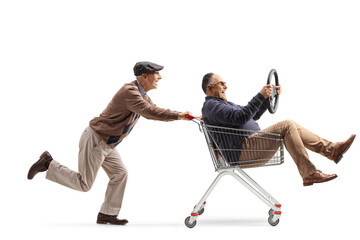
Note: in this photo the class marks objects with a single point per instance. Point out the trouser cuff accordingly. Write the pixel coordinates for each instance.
(108, 210)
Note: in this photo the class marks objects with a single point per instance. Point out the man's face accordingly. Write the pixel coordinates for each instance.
(218, 87)
(152, 79)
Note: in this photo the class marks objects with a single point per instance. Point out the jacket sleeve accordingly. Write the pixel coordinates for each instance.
(261, 111)
(229, 115)
(137, 104)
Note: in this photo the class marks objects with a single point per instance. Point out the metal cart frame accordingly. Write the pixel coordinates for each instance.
(224, 166)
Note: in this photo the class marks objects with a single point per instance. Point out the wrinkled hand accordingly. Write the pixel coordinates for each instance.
(181, 116)
(266, 91)
(278, 89)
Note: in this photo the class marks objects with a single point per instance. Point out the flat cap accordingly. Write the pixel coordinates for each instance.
(146, 67)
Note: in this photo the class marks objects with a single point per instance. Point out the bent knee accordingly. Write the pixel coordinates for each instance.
(120, 176)
(85, 187)
(124, 172)
(288, 123)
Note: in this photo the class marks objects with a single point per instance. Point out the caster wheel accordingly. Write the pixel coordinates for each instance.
(201, 211)
(271, 212)
(187, 223)
(273, 223)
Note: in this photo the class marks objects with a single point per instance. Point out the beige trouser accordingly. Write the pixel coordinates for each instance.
(296, 139)
(93, 153)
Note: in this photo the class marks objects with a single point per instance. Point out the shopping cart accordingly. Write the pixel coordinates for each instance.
(232, 150)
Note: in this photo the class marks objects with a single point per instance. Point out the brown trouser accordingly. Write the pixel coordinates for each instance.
(93, 153)
(296, 139)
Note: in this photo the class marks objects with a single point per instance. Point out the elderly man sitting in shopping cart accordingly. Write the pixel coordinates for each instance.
(217, 111)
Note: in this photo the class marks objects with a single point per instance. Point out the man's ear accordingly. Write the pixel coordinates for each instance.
(209, 88)
(144, 75)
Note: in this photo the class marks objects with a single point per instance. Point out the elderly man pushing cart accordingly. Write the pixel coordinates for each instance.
(104, 133)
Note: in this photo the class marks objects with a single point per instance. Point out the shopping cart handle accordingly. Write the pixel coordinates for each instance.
(190, 117)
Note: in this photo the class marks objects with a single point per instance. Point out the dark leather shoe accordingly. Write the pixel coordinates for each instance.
(318, 177)
(111, 219)
(341, 148)
(41, 165)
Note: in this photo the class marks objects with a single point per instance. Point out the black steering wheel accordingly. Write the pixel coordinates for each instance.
(272, 102)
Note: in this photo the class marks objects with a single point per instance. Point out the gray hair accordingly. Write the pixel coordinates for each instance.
(207, 79)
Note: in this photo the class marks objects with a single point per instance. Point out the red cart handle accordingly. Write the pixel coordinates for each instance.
(188, 116)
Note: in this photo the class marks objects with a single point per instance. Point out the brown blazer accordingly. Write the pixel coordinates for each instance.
(123, 112)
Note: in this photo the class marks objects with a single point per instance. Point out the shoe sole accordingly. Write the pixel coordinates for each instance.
(102, 222)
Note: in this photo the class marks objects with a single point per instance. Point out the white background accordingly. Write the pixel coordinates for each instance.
(61, 62)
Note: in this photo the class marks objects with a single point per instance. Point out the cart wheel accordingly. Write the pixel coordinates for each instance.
(271, 222)
(187, 223)
(271, 212)
(201, 211)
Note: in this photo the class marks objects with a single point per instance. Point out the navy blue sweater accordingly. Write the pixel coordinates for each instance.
(218, 112)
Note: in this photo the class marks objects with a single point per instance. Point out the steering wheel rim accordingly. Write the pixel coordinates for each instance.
(272, 102)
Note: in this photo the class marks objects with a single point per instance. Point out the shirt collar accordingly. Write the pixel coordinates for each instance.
(142, 91)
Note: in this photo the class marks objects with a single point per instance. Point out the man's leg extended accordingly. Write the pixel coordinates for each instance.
(294, 145)
(92, 152)
(117, 174)
(315, 143)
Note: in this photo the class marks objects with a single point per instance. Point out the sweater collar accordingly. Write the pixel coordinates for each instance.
(216, 98)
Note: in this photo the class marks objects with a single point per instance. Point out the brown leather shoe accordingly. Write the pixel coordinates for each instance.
(341, 148)
(111, 219)
(318, 177)
(41, 165)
